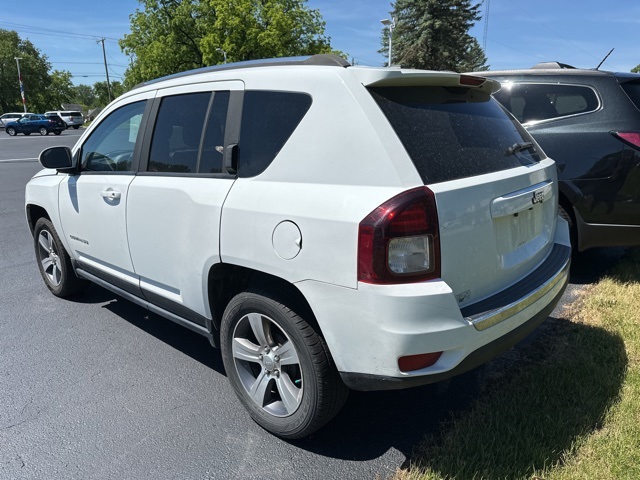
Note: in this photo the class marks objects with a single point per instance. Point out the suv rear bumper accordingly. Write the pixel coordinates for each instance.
(368, 329)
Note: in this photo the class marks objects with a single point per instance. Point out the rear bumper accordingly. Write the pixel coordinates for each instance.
(368, 329)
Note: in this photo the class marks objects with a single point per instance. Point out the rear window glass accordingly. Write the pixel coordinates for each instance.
(535, 102)
(632, 89)
(452, 133)
(74, 114)
(268, 120)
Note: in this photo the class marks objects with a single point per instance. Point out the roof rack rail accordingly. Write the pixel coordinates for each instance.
(328, 60)
(551, 65)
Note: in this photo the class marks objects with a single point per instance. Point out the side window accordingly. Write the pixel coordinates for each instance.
(213, 146)
(268, 120)
(177, 133)
(110, 146)
(534, 102)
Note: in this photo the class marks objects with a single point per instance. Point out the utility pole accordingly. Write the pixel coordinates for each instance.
(106, 69)
(24, 101)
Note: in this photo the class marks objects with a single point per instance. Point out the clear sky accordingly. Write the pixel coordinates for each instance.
(520, 33)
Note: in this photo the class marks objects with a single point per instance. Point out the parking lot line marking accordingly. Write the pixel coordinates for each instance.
(17, 160)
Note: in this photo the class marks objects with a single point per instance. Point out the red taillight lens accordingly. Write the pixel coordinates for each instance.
(471, 81)
(630, 138)
(399, 241)
(417, 362)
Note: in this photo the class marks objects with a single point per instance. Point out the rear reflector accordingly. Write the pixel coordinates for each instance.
(417, 362)
(630, 138)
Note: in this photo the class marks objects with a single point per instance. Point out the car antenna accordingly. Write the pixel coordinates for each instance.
(607, 56)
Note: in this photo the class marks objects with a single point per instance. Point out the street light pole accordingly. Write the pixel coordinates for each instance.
(224, 53)
(391, 24)
(24, 101)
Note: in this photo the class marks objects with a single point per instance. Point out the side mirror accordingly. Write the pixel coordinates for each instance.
(59, 158)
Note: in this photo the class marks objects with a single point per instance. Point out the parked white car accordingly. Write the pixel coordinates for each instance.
(72, 118)
(327, 226)
(11, 117)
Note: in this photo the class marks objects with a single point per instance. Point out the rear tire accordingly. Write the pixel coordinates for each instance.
(279, 367)
(11, 131)
(54, 262)
(76, 127)
(43, 131)
(57, 132)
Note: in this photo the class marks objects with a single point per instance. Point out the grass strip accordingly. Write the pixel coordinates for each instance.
(566, 406)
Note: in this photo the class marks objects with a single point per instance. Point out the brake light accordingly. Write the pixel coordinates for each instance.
(399, 241)
(471, 81)
(630, 138)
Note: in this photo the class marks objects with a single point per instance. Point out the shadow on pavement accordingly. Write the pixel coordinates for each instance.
(371, 423)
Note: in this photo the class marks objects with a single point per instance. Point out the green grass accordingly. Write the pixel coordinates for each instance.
(566, 406)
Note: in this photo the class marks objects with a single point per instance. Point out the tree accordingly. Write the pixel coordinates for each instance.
(102, 93)
(636, 70)
(34, 68)
(434, 35)
(59, 91)
(169, 36)
(84, 95)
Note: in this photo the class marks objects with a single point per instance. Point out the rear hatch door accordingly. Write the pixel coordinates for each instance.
(496, 192)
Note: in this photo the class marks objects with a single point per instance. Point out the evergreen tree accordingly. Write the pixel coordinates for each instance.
(434, 35)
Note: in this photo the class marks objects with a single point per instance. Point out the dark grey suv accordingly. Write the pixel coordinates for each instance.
(589, 122)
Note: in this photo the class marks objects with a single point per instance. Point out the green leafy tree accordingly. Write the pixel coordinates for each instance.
(169, 36)
(434, 35)
(60, 90)
(35, 74)
(102, 93)
(636, 69)
(84, 95)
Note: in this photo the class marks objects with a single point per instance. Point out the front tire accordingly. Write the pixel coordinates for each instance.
(54, 262)
(279, 367)
(57, 132)
(76, 127)
(11, 131)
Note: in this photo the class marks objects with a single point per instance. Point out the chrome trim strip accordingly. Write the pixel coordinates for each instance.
(484, 320)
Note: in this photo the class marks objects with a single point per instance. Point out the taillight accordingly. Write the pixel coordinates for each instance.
(630, 138)
(399, 241)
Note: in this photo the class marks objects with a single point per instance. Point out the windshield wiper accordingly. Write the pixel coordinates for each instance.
(518, 147)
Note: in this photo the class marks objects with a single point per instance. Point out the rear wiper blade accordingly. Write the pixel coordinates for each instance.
(518, 147)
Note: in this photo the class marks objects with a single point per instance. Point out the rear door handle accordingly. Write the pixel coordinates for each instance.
(110, 194)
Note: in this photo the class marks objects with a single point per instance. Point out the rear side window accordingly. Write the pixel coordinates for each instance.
(452, 133)
(268, 120)
(177, 133)
(632, 89)
(535, 102)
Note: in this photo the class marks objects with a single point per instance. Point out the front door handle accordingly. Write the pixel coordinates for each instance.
(110, 194)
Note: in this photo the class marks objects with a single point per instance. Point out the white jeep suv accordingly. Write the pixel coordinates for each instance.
(327, 226)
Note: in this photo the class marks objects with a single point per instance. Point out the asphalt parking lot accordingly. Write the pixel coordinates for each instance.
(97, 387)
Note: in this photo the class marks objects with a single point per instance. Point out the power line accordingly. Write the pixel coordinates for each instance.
(53, 32)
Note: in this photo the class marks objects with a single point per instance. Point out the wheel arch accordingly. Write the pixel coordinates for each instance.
(225, 281)
(35, 212)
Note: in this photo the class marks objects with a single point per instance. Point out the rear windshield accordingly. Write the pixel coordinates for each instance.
(452, 133)
(632, 89)
(73, 114)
